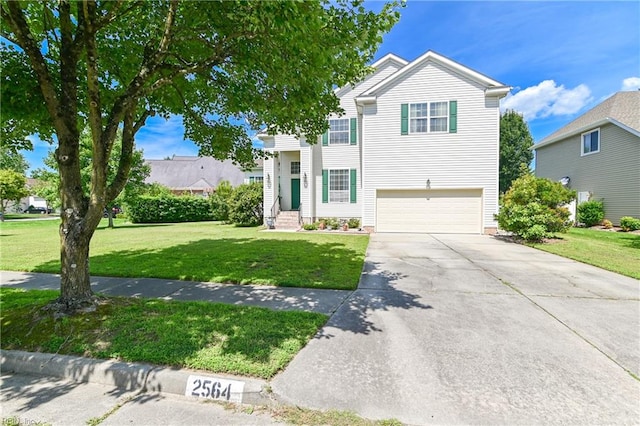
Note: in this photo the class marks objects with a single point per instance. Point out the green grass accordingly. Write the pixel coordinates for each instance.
(204, 251)
(614, 251)
(219, 338)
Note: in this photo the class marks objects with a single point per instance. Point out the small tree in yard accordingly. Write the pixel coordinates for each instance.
(12, 188)
(220, 201)
(226, 67)
(515, 152)
(245, 205)
(533, 208)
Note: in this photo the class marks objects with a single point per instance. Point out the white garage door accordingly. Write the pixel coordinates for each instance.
(456, 211)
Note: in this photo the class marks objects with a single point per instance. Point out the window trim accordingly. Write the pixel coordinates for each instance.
(347, 132)
(582, 152)
(428, 117)
(347, 191)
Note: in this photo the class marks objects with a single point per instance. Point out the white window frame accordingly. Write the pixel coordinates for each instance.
(582, 151)
(291, 168)
(414, 117)
(344, 194)
(253, 179)
(341, 136)
(428, 117)
(434, 117)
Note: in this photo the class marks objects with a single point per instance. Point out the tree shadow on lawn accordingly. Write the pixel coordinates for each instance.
(284, 263)
(632, 241)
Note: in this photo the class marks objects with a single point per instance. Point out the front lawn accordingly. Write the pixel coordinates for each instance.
(203, 251)
(614, 251)
(219, 338)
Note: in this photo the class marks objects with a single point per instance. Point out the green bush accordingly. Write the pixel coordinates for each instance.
(245, 205)
(332, 222)
(591, 212)
(220, 201)
(533, 208)
(354, 223)
(310, 226)
(628, 223)
(168, 209)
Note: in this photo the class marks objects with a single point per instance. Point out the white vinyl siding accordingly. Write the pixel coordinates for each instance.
(466, 159)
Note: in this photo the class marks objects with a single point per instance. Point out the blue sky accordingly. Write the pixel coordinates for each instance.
(561, 58)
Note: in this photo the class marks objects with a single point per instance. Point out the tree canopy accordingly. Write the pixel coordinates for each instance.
(225, 66)
(515, 144)
(12, 188)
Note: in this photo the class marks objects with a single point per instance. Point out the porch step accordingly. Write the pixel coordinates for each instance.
(287, 220)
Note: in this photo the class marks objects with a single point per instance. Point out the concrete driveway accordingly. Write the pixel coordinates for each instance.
(448, 329)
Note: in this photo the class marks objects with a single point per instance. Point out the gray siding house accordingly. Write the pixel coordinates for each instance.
(600, 154)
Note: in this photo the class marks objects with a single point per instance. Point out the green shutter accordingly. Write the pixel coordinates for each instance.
(354, 131)
(453, 116)
(354, 186)
(404, 119)
(325, 186)
(325, 138)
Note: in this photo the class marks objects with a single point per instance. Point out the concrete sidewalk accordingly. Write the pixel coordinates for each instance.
(276, 298)
(136, 378)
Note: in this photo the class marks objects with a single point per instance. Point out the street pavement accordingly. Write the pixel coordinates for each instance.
(443, 329)
(451, 329)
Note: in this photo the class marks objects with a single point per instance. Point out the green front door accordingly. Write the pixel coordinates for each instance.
(295, 194)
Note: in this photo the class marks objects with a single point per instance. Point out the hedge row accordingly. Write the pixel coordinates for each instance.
(169, 209)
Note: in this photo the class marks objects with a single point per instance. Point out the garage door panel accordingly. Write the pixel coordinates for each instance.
(445, 211)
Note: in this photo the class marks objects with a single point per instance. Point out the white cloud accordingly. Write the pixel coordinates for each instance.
(546, 99)
(631, 83)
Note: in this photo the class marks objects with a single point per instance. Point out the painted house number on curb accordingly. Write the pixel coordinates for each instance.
(214, 388)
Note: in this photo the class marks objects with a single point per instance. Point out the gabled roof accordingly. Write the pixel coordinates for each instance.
(499, 89)
(621, 109)
(191, 173)
(388, 58)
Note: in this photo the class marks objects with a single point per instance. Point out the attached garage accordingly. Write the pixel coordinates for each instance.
(452, 211)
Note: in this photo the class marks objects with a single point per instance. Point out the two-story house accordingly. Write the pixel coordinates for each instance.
(598, 155)
(416, 150)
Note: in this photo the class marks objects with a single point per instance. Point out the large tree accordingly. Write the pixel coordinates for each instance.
(11, 159)
(49, 178)
(515, 148)
(225, 66)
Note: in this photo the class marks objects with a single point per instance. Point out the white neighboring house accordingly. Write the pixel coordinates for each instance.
(416, 151)
(255, 174)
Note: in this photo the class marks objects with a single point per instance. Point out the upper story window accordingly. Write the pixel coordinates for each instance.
(339, 131)
(438, 116)
(295, 167)
(427, 117)
(591, 142)
(418, 118)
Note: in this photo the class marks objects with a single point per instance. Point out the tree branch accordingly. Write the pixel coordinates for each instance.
(15, 19)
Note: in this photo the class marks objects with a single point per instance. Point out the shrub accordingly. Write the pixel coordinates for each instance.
(628, 223)
(591, 212)
(607, 224)
(354, 223)
(168, 209)
(245, 205)
(332, 222)
(533, 208)
(310, 226)
(220, 201)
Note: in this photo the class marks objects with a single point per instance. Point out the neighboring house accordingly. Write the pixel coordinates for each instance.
(193, 175)
(255, 174)
(598, 154)
(415, 151)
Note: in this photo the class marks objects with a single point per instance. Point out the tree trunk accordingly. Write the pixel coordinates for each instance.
(110, 216)
(75, 284)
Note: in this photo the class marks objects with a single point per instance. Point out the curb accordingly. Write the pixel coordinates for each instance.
(131, 377)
